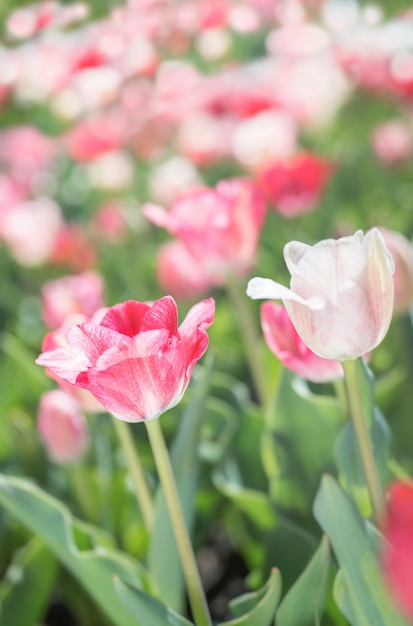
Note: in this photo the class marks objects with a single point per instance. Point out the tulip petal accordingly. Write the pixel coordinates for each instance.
(126, 318)
(193, 332)
(293, 251)
(162, 314)
(65, 363)
(267, 289)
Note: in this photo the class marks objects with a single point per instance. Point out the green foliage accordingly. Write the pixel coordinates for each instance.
(91, 563)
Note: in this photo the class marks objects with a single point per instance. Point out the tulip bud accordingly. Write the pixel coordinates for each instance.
(62, 427)
(341, 293)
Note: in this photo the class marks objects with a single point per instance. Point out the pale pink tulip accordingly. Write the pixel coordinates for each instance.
(135, 360)
(62, 427)
(341, 293)
(284, 341)
(68, 295)
(220, 227)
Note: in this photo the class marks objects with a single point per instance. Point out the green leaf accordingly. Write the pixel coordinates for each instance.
(359, 590)
(94, 567)
(258, 607)
(24, 593)
(255, 504)
(163, 558)
(151, 612)
(304, 603)
(298, 443)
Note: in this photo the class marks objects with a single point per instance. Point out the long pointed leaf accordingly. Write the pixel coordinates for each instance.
(258, 607)
(362, 597)
(150, 611)
(47, 518)
(24, 594)
(304, 603)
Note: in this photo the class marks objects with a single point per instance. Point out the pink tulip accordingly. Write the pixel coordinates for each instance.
(135, 361)
(179, 273)
(397, 555)
(82, 293)
(341, 293)
(62, 427)
(220, 227)
(401, 250)
(284, 341)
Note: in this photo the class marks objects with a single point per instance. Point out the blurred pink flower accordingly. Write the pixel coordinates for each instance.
(284, 341)
(220, 227)
(263, 138)
(397, 554)
(295, 186)
(401, 250)
(393, 142)
(341, 293)
(73, 248)
(81, 293)
(179, 273)
(30, 230)
(136, 361)
(62, 427)
(25, 151)
(92, 138)
(109, 221)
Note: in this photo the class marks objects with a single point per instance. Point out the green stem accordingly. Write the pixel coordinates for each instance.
(250, 338)
(196, 594)
(363, 439)
(143, 495)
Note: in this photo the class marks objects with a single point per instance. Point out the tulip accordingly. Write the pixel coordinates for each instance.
(69, 295)
(341, 293)
(220, 227)
(295, 186)
(62, 427)
(397, 554)
(179, 273)
(135, 360)
(283, 340)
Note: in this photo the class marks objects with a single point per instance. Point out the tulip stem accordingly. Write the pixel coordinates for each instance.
(364, 443)
(250, 337)
(196, 594)
(143, 495)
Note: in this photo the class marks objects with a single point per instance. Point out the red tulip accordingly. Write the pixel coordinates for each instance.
(135, 360)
